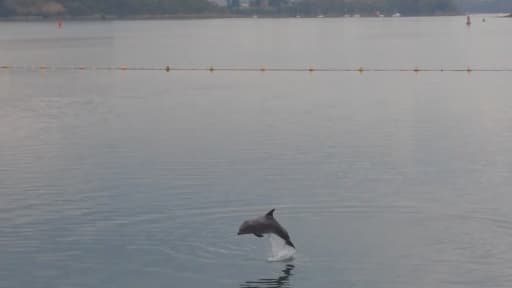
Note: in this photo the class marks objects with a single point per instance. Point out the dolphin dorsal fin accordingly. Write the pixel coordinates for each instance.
(270, 213)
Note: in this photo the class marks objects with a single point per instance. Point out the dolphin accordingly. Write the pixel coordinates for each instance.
(265, 224)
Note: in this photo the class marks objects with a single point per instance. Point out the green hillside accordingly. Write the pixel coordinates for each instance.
(103, 7)
(183, 7)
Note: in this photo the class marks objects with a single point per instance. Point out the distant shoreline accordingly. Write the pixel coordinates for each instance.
(189, 17)
(202, 16)
(113, 17)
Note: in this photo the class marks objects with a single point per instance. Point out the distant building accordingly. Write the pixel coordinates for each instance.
(244, 3)
(260, 4)
(238, 3)
(220, 2)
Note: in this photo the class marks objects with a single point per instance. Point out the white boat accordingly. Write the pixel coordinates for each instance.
(396, 15)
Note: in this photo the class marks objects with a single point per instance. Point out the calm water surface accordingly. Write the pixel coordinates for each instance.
(140, 179)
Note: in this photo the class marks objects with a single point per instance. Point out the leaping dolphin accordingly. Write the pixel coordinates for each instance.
(266, 224)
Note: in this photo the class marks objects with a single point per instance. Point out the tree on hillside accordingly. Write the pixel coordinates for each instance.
(152, 7)
(34, 7)
(114, 7)
(4, 9)
(417, 7)
(406, 7)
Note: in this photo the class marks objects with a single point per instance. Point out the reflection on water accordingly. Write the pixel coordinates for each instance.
(282, 281)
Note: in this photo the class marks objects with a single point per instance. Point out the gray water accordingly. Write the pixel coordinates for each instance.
(141, 178)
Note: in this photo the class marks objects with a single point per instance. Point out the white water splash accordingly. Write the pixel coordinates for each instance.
(279, 250)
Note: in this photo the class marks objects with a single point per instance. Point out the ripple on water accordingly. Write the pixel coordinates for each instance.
(208, 233)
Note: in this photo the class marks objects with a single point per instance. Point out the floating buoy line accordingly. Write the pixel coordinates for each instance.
(263, 68)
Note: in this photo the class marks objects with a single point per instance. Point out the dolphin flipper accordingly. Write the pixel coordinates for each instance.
(258, 235)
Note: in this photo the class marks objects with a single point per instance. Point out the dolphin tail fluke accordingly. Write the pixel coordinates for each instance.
(289, 243)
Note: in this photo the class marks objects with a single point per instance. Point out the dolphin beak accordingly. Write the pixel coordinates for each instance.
(238, 233)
